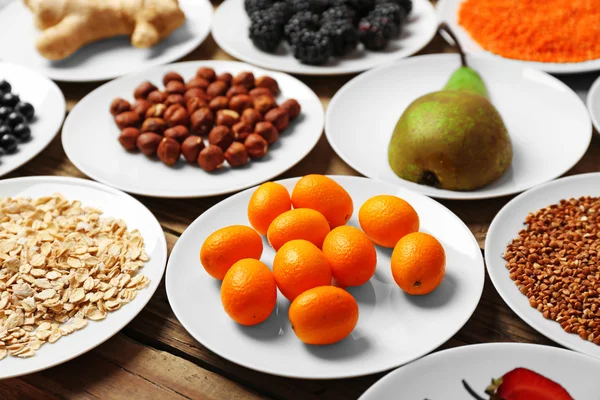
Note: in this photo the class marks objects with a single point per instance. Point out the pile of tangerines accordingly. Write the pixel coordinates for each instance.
(316, 248)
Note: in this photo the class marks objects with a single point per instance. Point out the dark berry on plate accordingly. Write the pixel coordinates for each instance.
(389, 10)
(371, 34)
(9, 100)
(283, 11)
(252, 6)
(25, 109)
(4, 112)
(313, 48)
(5, 130)
(339, 13)
(390, 29)
(301, 22)
(22, 132)
(316, 6)
(9, 143)
(5, 86)
(14, 119)
(265, 33)
(362, 7)
(343, 36)
(406, 5)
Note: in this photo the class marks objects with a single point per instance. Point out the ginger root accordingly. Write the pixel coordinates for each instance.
(67, 25)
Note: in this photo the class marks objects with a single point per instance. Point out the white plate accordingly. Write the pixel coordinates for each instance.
(439, 376)
(113, 203)
(448, 12)
(230, 30)
(548, 123)
(90, 140)
(104, 59)
(49, 104)
(593, 103)
(393, 328)
(506, 226)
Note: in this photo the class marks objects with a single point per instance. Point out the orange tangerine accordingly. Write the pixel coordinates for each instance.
(298, 266)
(325, 195)
(351, 254)
(299, 223)
(228, 245)
(268, 201)
(386, 219)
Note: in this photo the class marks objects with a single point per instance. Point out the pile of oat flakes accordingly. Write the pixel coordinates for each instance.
(61, 264)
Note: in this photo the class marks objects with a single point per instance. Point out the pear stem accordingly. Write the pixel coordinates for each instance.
(446, 28)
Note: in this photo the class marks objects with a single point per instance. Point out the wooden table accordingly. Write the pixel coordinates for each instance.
(155, 358)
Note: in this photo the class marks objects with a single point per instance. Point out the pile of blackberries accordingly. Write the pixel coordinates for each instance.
(320, 29)
(15, 116)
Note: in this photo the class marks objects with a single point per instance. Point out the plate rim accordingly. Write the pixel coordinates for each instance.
(594, 92)
(476, 346)
(213, 63)
(62, 103)
(48, 72)
(490, 264)
(177, 312)
(430, 58)
(162, 242)
(329, 71)
(554, 68)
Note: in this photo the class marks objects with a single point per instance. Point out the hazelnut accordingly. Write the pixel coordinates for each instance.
(175, 87)
(217, 88)
(211, 158)
(251, 117)
(176, 114)
(292, 107)
(195, 104)
(156, 125)
(128, 137)
(218, 103)
(191, 147)
(240, 102)
(227, 117)
(279, 117)
(237, 155)
(127, 119)
(235, 90)
(172, 76)
(268, 83)
(140, 107)
(156, 111)
(220, 136)
(157, 97)
(256, 146)
(143, 90)
(202, 121)
(257, 92)
(245, 78)
(197, 83)
(241, 130)
(119, 106)
(174, 99)
(207, 73)
(169, 150)
(225, 77)
(267, 131)
(148, 142)
(179, 133)
(263, 104)
(195, 92)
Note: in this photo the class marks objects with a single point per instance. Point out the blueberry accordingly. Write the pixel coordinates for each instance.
(9, 99)
(5, 130)
(5, 86)
(25, 109)
(8, 143)
(4, 112)
(22, 132)
(14, 119)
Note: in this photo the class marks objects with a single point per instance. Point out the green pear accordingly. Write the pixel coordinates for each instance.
(454, 139)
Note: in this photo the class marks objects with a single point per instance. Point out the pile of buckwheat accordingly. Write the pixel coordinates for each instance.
(554, 262)
(61, 264)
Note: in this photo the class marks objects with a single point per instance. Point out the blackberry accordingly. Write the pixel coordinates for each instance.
(343, 36)
(300, 22)
(339, 13)
(283, 11)
(265, 32)
(406, 5)
(389, 10)
(252, 6)
(312, 48)
(372, 35)
(362, 7)
(316, 6)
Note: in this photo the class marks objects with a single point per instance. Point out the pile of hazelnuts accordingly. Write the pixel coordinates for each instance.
(238, 115)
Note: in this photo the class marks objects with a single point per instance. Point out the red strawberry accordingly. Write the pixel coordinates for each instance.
(524, 384)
